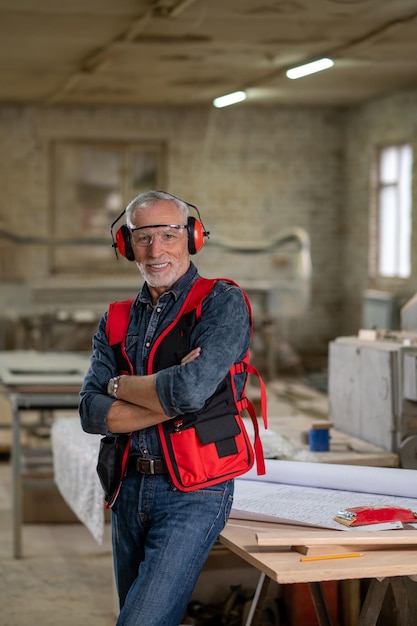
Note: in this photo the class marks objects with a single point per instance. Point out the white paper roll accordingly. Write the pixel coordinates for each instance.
(358, 478)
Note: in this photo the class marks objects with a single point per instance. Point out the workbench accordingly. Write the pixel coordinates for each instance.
(386, 564)
(36, 381)
(47, 328)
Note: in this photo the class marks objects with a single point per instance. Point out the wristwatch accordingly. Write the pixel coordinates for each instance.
(112, 386)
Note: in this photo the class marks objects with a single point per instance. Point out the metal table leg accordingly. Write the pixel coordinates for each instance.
(260, 592)
(37, 402)
(16, 479)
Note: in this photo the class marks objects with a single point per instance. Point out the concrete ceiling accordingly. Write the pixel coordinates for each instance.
(182, 52)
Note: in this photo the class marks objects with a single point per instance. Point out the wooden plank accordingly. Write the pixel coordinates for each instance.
(328, 550)
(366, 538)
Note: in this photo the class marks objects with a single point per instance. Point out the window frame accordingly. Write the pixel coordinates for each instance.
(381, 188)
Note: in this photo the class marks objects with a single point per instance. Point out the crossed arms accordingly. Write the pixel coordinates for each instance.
(138, 405)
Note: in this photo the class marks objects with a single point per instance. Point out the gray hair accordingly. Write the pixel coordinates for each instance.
(149, 198)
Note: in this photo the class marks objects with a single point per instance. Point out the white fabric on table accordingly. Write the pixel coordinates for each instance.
(75, 455)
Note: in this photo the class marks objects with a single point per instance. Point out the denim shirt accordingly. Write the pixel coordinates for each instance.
(223, 333)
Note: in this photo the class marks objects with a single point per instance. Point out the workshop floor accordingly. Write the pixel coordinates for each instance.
(64, 576)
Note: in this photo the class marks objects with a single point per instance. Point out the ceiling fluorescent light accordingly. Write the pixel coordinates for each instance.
(228, 99)
(309, 68)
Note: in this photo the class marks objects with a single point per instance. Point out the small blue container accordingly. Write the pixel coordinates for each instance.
(319, 439)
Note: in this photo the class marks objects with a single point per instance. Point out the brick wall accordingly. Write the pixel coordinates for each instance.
(387, 120)
(253, 172)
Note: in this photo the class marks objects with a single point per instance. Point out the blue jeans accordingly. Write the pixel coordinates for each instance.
(161, 539)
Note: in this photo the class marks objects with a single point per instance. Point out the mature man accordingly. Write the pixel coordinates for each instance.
(165, 524)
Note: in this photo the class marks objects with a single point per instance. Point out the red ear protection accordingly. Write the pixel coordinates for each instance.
(195, 233)
(123, 243)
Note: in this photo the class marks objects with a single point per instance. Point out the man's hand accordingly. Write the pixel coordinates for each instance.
(191, 356)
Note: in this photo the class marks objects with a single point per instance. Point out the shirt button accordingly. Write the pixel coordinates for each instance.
(147, 344)
(158, 310)
(145, 451)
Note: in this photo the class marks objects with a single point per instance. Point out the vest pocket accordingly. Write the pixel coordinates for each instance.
(185, 447)
(196, 463)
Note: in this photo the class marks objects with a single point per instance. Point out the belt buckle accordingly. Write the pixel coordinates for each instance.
(152, 466)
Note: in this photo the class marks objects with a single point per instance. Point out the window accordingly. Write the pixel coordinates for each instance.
(93, 182)
(393, 196)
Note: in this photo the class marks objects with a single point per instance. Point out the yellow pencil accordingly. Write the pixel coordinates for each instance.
(331, 556)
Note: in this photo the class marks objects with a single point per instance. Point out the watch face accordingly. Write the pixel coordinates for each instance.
(110, 387)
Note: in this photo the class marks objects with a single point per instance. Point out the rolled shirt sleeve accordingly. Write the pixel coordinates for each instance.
(94, 401)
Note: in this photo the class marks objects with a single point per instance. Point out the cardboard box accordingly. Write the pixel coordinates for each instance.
(42, 502)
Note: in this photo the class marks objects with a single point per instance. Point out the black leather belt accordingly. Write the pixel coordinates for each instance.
(150, 466)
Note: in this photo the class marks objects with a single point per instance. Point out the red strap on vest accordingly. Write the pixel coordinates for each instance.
(118, 321)
(245, 403)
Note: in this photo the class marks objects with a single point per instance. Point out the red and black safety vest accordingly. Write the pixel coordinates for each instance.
(212, 445)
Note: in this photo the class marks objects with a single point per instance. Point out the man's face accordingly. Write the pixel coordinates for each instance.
(163, 261)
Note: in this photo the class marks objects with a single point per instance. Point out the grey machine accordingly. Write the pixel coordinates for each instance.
(373, 386)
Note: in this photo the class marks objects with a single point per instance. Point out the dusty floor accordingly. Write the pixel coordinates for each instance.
(64, 576)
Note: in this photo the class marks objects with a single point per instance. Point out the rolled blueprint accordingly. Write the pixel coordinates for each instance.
(358, 478)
